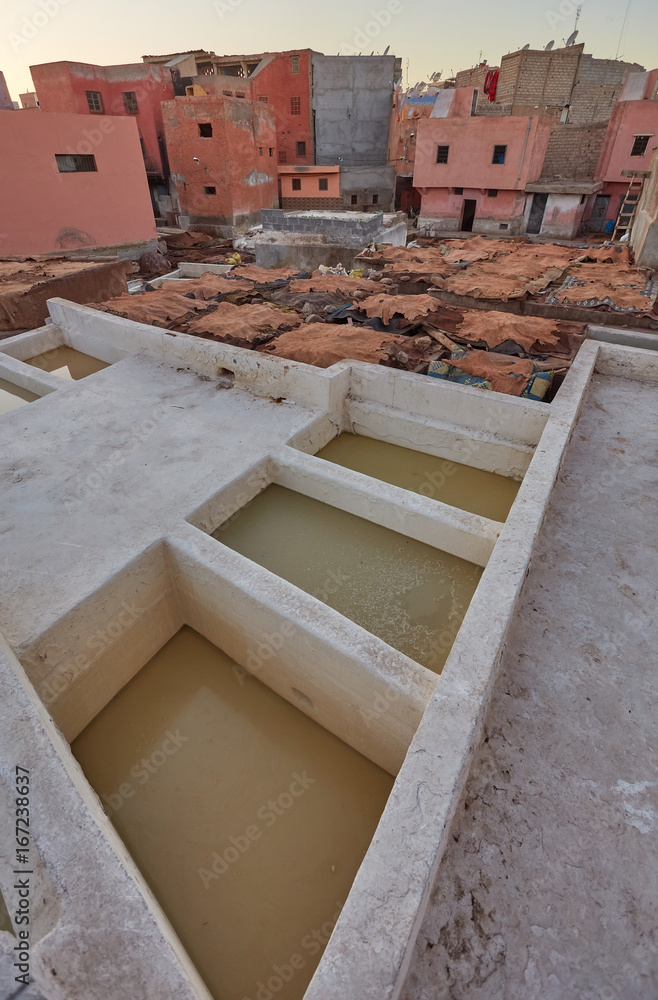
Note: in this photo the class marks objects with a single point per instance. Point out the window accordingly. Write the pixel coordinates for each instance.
(324, 184)
(205, 130)
(499, 154)
(295, 105)
(355, 199)
(459, 190)
(210, 190)
(640, 145)
(95, 102)
(240, 93)
(492, 193)
(260, 150)
(263, 98)
(294, 64)
(301, 149)
(75, 164)
(583, 199)
(296, 183)
(283, 156)
(504, 225)
(474, 103)
(442, 154)
(271, 151)
(141, 142)
(130, 102)
(375, 199)
(227, 93)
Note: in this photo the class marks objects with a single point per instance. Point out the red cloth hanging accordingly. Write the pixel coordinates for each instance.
(493, 86)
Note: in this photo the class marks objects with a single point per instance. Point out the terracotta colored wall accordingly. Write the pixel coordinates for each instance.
(628, 119)
(506, 208)
(44, 210)
(62, 87)
(231, 160)
(279, 84)
(310, 183)
(471, 142)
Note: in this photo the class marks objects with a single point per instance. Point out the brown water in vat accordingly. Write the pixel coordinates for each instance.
(195, 761)
(67, 363)
(459, 485)
(12, 396)
(411, 595)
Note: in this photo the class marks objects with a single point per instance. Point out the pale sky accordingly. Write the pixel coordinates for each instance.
(433, 34)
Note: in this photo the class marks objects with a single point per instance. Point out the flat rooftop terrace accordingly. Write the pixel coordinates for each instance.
(548, 885)
(513, 854)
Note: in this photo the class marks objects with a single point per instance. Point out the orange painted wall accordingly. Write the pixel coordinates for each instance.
(44, 210)
(310, 178)
(63, 86)
(235, 160)
(471, 142)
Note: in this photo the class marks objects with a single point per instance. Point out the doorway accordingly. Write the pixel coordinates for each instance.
(599, 216)
(468, 215)
(537, 213)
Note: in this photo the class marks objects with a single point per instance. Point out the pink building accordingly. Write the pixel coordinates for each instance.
(472, 172)
(69, 183)
(628, 148)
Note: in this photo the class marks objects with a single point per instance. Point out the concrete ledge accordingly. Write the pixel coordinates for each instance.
(455, 531)
(370, 950)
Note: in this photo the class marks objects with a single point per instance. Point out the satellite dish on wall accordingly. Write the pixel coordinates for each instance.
(526, 46)
(549, 46)
(387, 50)
(572, 38)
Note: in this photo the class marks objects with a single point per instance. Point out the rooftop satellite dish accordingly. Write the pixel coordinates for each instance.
(526, 46)
(572, 38)
(387, 50)
(549, 46)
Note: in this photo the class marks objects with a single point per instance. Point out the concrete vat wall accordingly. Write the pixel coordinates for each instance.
(45, 210)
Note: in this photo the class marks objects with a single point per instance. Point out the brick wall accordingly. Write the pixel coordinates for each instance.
(547, 78)
(573, 151)
(598, 85)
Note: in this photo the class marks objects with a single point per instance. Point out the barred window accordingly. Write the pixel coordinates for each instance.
(283, 156)
(264, 98)
(72, 163)
(95, 102)
(442, 154)
(294, 64)
(640, 145)
(324, 184)
(499, 154)
(301, 149)
(296, 183)
(130, 102)
(295, 105)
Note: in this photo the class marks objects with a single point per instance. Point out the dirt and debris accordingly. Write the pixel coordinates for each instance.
(186, 246)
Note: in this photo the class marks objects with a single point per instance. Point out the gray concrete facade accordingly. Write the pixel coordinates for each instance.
(352, 104)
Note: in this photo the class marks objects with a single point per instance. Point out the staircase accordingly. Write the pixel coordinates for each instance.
(628, 209)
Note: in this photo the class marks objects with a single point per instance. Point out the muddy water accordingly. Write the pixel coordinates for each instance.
(67, 363)
(12, 396)
(411, 595)
(248, 820)
(450, 482)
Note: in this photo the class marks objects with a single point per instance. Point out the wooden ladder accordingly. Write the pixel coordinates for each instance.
(628, 209)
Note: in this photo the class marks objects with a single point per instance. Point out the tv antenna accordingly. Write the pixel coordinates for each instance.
(623, 28)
